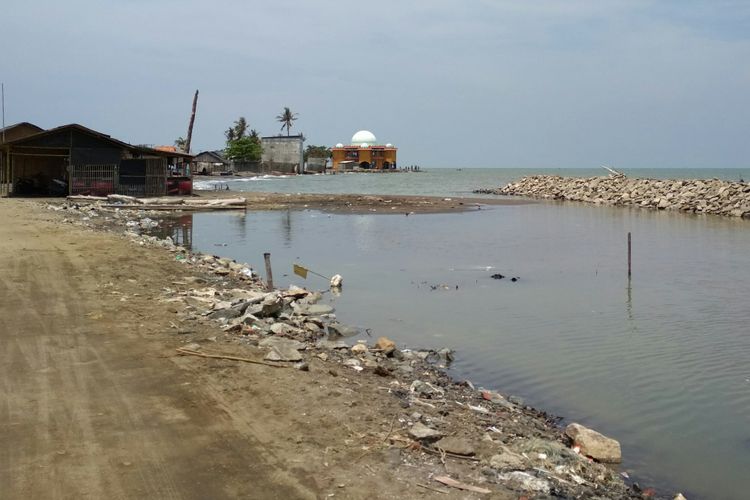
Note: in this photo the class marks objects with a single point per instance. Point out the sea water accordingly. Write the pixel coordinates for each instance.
(658, 361)
(434, 182)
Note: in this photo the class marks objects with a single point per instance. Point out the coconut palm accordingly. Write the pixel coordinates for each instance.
(286, 118)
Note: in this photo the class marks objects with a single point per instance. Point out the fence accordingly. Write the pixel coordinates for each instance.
(140, 178)
(94, 180)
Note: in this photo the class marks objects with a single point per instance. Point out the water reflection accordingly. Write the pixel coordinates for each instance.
(286, 226)
(179, 228)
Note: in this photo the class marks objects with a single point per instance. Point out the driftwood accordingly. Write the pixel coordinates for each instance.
(459, 485)
(83, 197)
(121, 198)
(185, 351)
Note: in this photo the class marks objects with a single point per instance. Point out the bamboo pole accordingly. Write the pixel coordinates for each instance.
(630, 255)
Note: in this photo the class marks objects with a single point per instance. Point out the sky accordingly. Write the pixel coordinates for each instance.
(464, 83)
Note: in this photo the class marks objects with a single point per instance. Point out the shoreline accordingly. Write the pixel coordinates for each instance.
(494, 442)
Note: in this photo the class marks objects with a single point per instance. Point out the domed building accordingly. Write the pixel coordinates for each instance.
(363, 152)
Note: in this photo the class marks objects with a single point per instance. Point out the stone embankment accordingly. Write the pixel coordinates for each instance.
(700, 196)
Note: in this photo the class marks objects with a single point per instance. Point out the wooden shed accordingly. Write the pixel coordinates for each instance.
(73, 159)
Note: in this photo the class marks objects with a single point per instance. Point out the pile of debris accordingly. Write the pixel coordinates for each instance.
(699, 196)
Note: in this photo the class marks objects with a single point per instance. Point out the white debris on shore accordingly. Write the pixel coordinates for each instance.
(700, 196)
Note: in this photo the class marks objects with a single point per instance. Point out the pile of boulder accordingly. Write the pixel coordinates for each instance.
(701, 196)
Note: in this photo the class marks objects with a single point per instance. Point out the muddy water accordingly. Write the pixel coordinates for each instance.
(659, 362)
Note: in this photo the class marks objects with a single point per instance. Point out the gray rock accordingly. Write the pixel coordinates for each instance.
(283, 353)
(317, 309)
(283, 343)
(425, 389)
(281, 328)
(229, 313)
(457, 446)
(594, 445)
(331, 344)
(271, 306)
(336, 330)
(420, 431)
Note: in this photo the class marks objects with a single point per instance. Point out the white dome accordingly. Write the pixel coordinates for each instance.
(339, 145)
(364, 136)
(364, 145)
(389, 145)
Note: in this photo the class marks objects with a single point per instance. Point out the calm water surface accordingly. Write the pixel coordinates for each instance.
(658, 362)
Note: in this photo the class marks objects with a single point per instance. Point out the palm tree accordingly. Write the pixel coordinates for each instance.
(240, 128)
(180, 143)
(286, 118)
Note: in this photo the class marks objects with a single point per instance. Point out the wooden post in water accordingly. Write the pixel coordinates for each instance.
(630, 256)
(269, 274)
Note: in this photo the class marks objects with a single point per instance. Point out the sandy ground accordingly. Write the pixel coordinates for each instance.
(95, 403)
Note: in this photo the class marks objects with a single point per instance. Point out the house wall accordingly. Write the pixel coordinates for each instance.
(316, 165)
(283, 154)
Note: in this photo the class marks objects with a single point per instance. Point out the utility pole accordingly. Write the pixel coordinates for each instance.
(192, 120)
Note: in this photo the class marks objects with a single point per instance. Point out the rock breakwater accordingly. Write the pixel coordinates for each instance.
(701, 196)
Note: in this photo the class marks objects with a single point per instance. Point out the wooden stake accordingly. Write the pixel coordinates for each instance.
(269, 274)
(630, 258)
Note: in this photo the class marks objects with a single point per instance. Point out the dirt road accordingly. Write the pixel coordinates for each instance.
(91, 406)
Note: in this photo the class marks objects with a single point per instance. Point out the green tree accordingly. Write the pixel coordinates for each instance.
(317, 152)
(286, 118)
(180, 143)
(244, 149)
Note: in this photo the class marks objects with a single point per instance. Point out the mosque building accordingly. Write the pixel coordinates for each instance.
(364, 152)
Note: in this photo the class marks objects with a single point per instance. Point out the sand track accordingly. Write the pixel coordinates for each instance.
(90, 406)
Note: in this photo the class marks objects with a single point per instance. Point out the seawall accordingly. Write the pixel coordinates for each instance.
(704, 196)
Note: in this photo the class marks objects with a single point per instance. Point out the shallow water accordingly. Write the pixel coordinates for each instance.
(658, 362)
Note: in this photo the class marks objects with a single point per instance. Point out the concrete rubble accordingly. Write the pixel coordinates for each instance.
(492, 439)
(699, 196)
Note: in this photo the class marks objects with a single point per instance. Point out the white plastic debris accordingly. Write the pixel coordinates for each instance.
(336, 281)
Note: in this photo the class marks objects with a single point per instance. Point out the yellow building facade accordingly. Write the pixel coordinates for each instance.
(365, 153)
